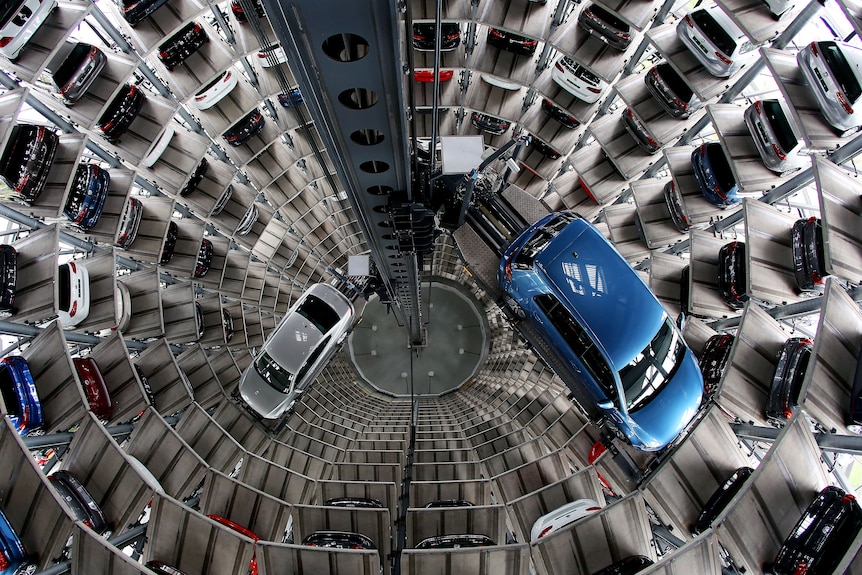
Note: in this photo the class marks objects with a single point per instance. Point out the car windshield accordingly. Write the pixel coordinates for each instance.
(312, 359)
(70, 65)
(778, 121)
(652, 368)
(714, 31)
(65, 288)
(275, 375)
(611, 19)
(7, 388)
(675, 82)
(319, 313)
(212, 83)
(842, 72)
(720, 166)
(540, 240)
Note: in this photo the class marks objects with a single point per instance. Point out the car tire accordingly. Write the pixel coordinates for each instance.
(514, 307)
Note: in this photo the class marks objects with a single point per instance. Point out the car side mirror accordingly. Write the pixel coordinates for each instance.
(606, 405)
(680, 321)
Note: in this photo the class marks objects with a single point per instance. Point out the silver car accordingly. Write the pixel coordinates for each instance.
(775, 135)
(297, 351)
(831, 70)
(716, 41)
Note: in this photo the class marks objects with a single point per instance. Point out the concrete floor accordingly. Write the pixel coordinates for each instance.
(456, 343)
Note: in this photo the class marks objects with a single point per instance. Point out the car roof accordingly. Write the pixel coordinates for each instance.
(602, 290)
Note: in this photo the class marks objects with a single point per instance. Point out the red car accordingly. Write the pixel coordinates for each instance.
(94, 387)
(427, 75)
(252, 566)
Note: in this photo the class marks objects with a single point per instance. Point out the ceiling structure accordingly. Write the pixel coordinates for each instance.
(331, 177)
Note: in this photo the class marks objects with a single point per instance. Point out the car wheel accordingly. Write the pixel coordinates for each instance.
(27, 568)
(515, 308)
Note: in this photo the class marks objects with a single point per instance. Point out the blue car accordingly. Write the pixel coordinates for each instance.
(13, 558)
(288, 99)
(592, 308)
(19, 394)
(87, 196)
(714, 176)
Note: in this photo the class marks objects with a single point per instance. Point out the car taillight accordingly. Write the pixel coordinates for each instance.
(199, 98)
(531, 43)
(723, 58)
(815, 277)
(559, 66)
(689, 21)
(788, 413)
(22, 183)
(630, 113)
(680, 104)
(652, 141)
(226, 77)
(495, 33)
(623, 35)
(164, 55)
(4, 41)
(758, 107)
(778, 152)
(4, 561)
(231, 138)
(843, 101)
(73, 311)
(594, 90)
(848, 498)
(703, 150)
(814, 49)
(197, 28)
(73, 267)
(453, 36)
(507, 269)
(107, 126)
(545, 531)
(591, 509)
(718, 191)
(418, 37)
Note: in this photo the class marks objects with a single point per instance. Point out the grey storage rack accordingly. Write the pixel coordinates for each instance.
(705, 298)
(178, 311)
(501, 560)
(233, 277)
(273, 162)
(818, 135)
(101, 268)
(637, 14)
(700, 211)
(827, 391)
(598, 174)
(664, 279)
(203, 198)
(241, 100)
(214, 335)
(227, 221)
(147, 320)
(841, 219)
(449, 92)
(587, 50)
(658, 229)
(745, 162)
(581, 110)
(152, 230)
(373, 523)
(233, 419)
(625, 230)
(620, 148)
(147, 34)
(190, 232)
(209, 440)
(124, 387)
(172, 169)
(171, 391)
(755, 20)
(253, 286)
(489, 520)
(705, 85)
(263, 514)
(92, 554)
(488, 59)
(106, 229)
(36, 291)
(534, 20)
(201, 378)
(295, 558)
(276, 480)
(477, 491)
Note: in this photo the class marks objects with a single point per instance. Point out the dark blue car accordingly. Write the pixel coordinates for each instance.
(12, 554)
(714, 176)
(87, 196)
(592, 308)
(288, 99)
(19, 394)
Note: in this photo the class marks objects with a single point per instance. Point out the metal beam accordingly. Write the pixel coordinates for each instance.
(851, 444)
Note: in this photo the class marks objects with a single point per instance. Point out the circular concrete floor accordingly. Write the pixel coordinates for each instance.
(456, 343)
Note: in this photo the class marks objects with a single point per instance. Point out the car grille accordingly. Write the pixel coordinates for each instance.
(821, 80)
(700, 45)
(761, 131)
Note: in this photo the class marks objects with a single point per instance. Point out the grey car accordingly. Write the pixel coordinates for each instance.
(297, 351)
(833, 72)
(775, 135)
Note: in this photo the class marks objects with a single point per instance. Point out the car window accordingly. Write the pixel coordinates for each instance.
(70, 65)
(778, 121)
(652, 368)
(580, 342)
(274, 374)
(65, 288)
(842, 72)
(608, 17)
(16, 154)
(7, 10)
(675, 82)
(319, 313)
(7, 388)
(714, 31)
(540, 240)
(312, 358)
(720, 166)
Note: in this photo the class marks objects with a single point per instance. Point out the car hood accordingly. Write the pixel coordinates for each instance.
(295, 338)
(659, 422)
(260, 396)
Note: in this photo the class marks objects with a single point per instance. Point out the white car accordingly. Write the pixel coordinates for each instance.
(775, 135)
(222, 201)
(215, 90)
(272, 56)
(19, 20)
(298, 350)
(500, 83)
(123, 306)
(833, 72)
(577, 80)
(247, 221)
(563, 516)
(158, 147)
(73, 290)
(716, 41)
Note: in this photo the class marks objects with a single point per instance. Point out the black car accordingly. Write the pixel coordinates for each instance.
(822, 535)
(136, 10)
(359, 502)
(786, 382)
(559, 114)
(673, 201)
(8, 278)
(714, 175)
(27, 159)
(732, 274)
(170, 244)
(628, 566)
(87, 195)
(809, 258)
(455, 542)
(145, 383)
(713, 359)
(685, 290)
(424, 33)
(242, 131)
(199, 319)
(719, 500)
(227, 324)
(441, 503)
(487, 123)
(512, 42)
(637, 130)
(79, 500)
(606, 26)
(160, 568)
(238, 11)
(72, 70)
(545, 149)
(122, 111)
(181, 45)
(130, 222)
(195, 178)
(671, 92)
(205, 258)
(338, 540)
